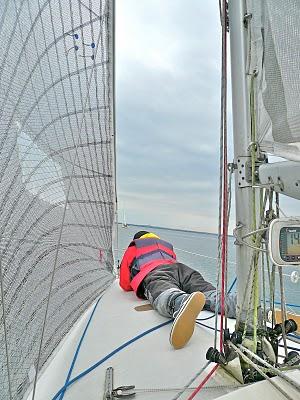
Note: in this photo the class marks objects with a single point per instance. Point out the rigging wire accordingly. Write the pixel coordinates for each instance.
(170, 389)
(223, 196)
(201, 255)
(223, 185)
(114, 116)
(256, 239)
(283, 309)
(263, 275)
(225, 176)
(251, 270)
(229, 195)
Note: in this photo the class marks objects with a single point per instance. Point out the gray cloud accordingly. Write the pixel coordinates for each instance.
(168, 112)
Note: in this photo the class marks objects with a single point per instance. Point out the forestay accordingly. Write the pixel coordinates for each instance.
(274, 54)
(57, 175)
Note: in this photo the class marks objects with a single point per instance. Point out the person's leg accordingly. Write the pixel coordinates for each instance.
(185, 319)
(192, 281)
(230, 302)
(162, 289)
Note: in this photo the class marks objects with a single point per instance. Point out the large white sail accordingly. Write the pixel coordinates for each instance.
(57, 175)
(274, 51)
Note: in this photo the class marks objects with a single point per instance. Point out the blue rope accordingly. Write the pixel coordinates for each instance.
(294, 335)
(207, 326)
(94, 366)
(232, 285)
(290, 305)
(77, 351)
(206, 318)
(268, 301)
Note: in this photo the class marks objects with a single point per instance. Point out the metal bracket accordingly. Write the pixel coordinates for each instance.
(121, 392)
(242, 174)
(244, 170)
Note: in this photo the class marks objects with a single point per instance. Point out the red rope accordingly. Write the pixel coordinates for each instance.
(203, 382)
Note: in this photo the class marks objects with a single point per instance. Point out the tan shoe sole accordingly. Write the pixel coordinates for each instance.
(184, 324)
(278, 318)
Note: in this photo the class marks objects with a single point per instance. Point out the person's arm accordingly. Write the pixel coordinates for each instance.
(127, 260)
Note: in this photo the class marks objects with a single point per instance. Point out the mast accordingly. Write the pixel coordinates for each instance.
(242, 139)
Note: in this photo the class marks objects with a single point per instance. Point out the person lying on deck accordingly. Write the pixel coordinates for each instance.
(150, 268)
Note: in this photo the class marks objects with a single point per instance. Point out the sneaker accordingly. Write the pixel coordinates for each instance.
(184, 323)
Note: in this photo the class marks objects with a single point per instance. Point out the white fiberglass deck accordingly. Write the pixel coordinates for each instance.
(148, 362)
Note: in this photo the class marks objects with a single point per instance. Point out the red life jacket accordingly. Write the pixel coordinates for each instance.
(150, 253)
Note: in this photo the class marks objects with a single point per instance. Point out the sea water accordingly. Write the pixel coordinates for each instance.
(199, 250)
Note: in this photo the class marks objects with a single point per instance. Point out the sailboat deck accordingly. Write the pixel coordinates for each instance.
(117, 335)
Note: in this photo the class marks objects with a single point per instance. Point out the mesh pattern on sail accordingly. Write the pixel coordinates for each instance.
(274, 51)
(56, 145)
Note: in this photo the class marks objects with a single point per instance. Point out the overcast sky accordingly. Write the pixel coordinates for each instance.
(168, 112)
(168, 74)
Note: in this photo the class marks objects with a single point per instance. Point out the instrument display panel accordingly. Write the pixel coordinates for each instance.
(289, 243)
(284, 241)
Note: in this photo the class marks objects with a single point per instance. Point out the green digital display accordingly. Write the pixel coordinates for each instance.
(292, 242)
(289, 244)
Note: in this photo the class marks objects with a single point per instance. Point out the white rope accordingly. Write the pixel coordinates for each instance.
(273, 369)
(255, 366)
